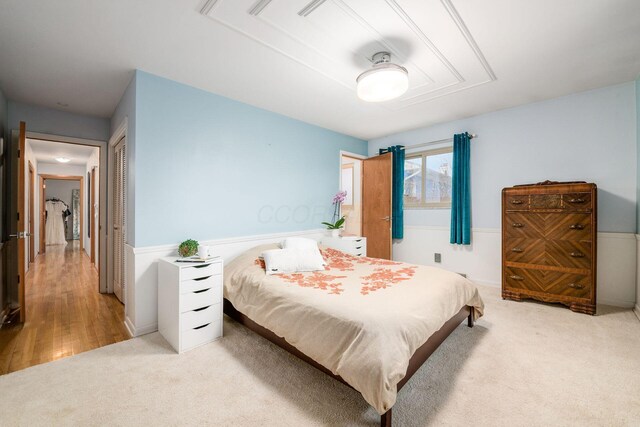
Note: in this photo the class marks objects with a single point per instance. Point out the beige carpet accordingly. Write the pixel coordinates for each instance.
(524, 364)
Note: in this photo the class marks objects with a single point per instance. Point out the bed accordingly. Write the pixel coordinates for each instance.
(367, 322)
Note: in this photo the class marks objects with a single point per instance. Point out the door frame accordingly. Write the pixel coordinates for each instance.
(22, 282)
(43, 178)
(102, 213)
(31, 202)
(355, 157)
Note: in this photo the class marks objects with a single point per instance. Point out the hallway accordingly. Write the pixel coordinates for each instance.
(66, 314)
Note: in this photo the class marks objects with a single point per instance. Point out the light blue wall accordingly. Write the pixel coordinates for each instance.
(56, 122)
(588, 136)
(208, 167)
(127, 109)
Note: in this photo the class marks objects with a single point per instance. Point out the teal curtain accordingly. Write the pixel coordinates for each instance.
(397, 193)
(461, 190)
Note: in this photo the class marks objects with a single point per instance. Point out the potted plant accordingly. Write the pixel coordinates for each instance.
(188, 248)
(338, 221)
(335, 227)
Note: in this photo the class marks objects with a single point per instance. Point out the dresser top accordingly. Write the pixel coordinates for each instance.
(547, 187)
(173, 261)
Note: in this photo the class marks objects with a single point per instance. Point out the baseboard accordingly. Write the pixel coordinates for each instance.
(615, 303)
(130, 328)
(136, 332)
(3, 315)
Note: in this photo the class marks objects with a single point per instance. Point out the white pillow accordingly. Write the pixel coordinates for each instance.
(278, 261)
(299, 243)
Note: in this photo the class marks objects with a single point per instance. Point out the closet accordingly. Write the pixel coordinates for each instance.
(119, 185)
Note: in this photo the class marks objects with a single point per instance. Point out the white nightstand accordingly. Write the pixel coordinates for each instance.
(189, 302)
(352, 245)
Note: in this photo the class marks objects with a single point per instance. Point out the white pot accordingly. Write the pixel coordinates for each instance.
(334, 233)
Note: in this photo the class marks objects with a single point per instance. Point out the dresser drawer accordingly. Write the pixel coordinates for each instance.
(200, 271)
(516, 202)
(524, 225)
(194, 300)
(193, 285)
(530, 251)
(193, 319)
(577, 201)
(549, 282)
(198, 336)
(568, 226)
(567, 253)
(545, 201)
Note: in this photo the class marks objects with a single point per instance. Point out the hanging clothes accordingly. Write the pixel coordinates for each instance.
(54, 228)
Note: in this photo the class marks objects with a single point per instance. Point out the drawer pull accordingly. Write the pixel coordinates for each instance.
(203, 326)
(576, 286)
(516, 202)
(203, 308)
(201, 278)
(577, 254)
(516, 277)
(576, 227)
(576, 200)
(358, 247)
(517, 225)
(201, 290)
(518, 250)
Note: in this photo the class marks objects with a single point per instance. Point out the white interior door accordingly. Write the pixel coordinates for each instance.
(119, 169)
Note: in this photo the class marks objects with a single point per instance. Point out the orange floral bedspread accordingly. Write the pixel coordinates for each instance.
(362, 318)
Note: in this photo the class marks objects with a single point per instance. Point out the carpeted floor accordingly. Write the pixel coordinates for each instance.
(524, 364)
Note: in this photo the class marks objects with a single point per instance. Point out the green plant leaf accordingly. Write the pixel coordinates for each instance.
(339, 222)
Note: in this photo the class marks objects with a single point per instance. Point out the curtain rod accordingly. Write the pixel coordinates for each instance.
(439, 141)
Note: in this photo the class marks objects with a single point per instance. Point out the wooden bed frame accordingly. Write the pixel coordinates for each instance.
(416, 361)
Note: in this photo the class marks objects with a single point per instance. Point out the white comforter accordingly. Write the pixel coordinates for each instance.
(362, 318)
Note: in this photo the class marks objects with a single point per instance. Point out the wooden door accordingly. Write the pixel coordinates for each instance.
(92, 219)
(32, 213)
(16, 210)
(119, 174)
(376, 205)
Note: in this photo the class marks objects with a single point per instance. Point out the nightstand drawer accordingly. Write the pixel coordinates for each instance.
(200, 271)
(193, 319)
(187, 286)
(351, 245)
(199, 299)
(201, 335)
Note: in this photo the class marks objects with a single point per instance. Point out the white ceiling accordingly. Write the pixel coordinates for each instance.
(47, 151)
(465, 57)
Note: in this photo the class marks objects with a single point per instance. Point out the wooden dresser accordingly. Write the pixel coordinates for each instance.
(549, 243)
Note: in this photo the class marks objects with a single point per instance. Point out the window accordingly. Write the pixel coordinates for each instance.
(427, 179)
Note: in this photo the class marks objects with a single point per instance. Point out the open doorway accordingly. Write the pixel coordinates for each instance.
(351, 182)
(62, 305)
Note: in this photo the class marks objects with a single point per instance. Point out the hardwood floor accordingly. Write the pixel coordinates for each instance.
(66, 314)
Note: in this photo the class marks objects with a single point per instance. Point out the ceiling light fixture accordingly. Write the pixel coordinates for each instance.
(384, 81)
(62, 159)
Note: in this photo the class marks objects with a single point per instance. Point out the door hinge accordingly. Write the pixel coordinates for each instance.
(18, 278)
(18, 216)
(18, 153)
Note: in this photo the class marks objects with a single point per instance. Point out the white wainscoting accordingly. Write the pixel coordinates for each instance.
(141, 287)
(481, 261)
